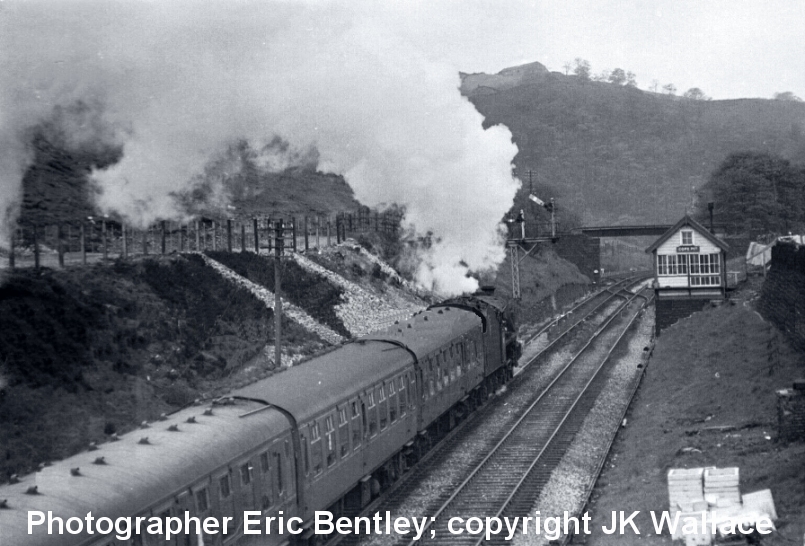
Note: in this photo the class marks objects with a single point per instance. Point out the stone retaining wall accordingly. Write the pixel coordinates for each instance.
(669, 312)
(791, 415)
(782, 298)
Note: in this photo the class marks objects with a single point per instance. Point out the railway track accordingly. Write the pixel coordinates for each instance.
(513, 444)
(511, 475)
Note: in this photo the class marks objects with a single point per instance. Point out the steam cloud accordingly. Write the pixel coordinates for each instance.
(177, 83)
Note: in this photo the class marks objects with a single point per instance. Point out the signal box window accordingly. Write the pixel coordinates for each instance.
(687, 237)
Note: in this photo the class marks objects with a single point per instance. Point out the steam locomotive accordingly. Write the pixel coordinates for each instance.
(253, 467)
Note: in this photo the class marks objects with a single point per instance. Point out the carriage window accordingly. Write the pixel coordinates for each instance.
(264, 462)
(392, 407)
(245, 474)
(330, 435)
(202, 500)
(391, 387)
(355, 411)
(403, 398)
(306, 455)
(278, 468)
(226, 486)
(342, 416)
(382, 393)
(356, 428)
(371, 403)
(314, 432)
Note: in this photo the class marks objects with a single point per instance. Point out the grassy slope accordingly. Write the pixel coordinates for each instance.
(616, 154)
(88, 351)
(304, 289)
(709, 370)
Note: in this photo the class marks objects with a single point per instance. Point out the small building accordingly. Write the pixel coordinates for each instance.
(690, 269)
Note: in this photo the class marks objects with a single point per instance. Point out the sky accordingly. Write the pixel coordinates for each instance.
(371, 85)
(729, 49)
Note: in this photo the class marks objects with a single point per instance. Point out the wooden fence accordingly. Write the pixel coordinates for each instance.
(82, 242)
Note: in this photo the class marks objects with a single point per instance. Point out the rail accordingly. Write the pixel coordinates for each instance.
(436, 455)
(551, 396)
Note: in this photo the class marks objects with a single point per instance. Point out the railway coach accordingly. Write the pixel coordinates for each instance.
(329, 434)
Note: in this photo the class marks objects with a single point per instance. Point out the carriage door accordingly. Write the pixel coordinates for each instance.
(184, 503)
(245, 479)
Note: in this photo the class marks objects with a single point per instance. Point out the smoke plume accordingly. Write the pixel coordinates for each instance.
(177, 83)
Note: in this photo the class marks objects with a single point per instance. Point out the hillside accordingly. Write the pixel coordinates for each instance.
(616, 154)
(707, 399)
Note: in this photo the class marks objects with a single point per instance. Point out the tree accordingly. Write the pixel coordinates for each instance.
(582, 69)
(654, 85)
(787, 95)
(630, 79)
(567, 66)
(757, 193)
(618, 76)
(602, 77)
(669, 88)
(694, 93)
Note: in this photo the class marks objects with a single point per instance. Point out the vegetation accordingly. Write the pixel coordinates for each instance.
(615, 154)
(756, 192)
(88, 351)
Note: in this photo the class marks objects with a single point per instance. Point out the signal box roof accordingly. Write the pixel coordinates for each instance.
(690, 222)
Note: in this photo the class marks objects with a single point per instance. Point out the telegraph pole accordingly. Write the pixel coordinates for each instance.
(279, 246)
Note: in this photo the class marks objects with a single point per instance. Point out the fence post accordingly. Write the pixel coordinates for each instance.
(36, 248)
(328, 231)
(318, 230)
(293, 231)
(60, 244)
(12, 260)
(229, 235)
(198, 237)
(181, 237)
(103, 238)
(162, 237)
(145, 242)
(256, 236)
(83, 243)
(242, 237)
(125, 240)
(268, 235)
(307, 242)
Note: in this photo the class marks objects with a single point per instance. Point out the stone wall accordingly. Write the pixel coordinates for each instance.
(670, 311)
(782, 298)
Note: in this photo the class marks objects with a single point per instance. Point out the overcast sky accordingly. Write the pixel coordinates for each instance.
(728, 48)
